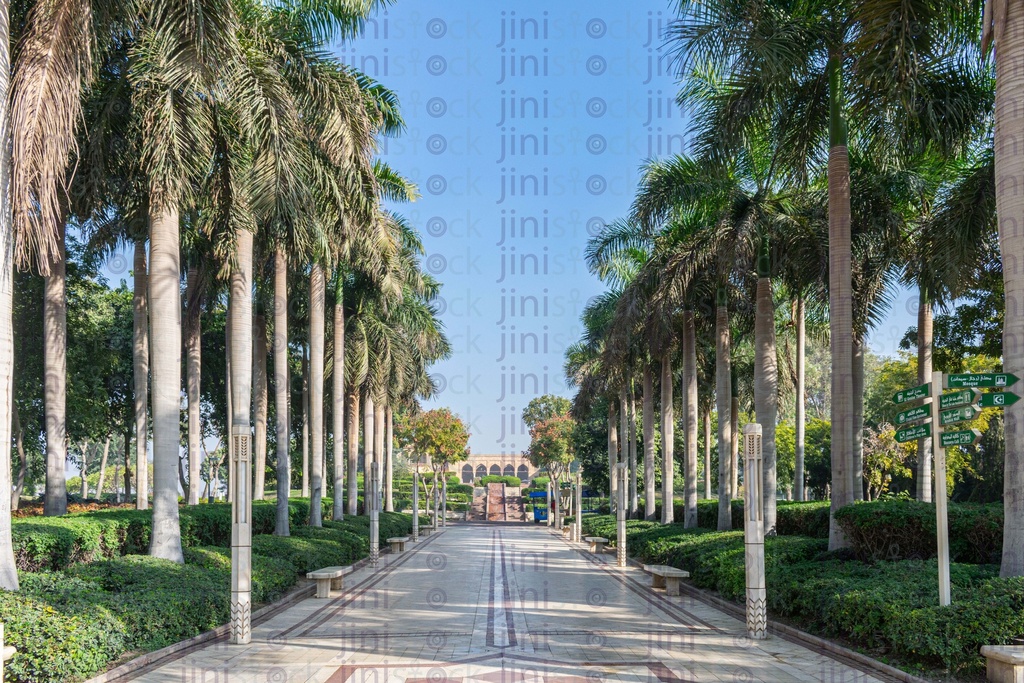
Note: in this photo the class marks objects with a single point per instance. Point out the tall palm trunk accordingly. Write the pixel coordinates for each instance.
(240, 325)
(707, 454)
(260, 406)
(305, 422)
(140, 363)
(648, 417)
(367, 449)
(667, 443)
(1010, 210)
(634, 496)
(690, 417)
(801, 397)
(389, 452)
(8, 571)
(353, 451)
(840, 304)
(924, 375)
(165, 321)
(55, 380)
(103, 468)
(19, 444)
(624, 433)
(316, 390)
(613, 454)
(613, 444)
(83, 489)
(723, 392)
(857, 475)
(282, 391)
(193, 369)
(338, 407)
(766, 388)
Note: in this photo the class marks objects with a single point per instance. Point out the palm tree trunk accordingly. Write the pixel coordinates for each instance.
(282, 391)
(766, 390)
(316, 389)
(367, 449)
(8, 570)
(83, 489)
(667, 443)
(707, 454)
(193, 370)
(634, 496)
(690, 415)
(140, 362)
(260, 406)
(165, 349)
(103, 468)
(338, 412)
(648, 418)
(801, 397)
(723, 392)
(353, 451)
(623, 432)
(613, 453)
(389, 451)
(55, 378)
(240, 324)
(19, 443)
(305, 421)
(924, 375)
(840, 305)
(857, 480)
(127, 464)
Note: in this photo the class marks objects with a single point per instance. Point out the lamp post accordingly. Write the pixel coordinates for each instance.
(621, 498)
(374, 504)
(444, 499)
(579, 507)
(416, 500)
(241, 537)
(547, 503)
(753, 532)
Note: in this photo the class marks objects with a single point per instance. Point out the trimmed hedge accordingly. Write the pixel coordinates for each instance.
(499, 479)
(896, 529)
(792, 518)
(891, 606)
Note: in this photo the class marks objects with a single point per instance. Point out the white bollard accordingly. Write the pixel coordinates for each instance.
(753, 532)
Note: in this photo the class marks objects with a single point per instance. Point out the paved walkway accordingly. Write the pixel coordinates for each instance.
(502, 604)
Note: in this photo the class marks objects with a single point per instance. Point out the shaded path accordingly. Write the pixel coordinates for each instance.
(502, 604)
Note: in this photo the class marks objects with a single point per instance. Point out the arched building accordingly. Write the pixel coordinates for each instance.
(507, 464)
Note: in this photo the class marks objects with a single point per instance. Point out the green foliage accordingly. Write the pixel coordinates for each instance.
(500, 479)
(544, 408)
(439, 435)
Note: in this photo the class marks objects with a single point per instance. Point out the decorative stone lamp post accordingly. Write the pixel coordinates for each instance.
(374, 505)
(547, 502)
(444, 498)
(621, 471)
(416, 500)
(578, 530)
(753, 532)
(241, 537)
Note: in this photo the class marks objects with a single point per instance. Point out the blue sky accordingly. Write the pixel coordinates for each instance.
(527, 126)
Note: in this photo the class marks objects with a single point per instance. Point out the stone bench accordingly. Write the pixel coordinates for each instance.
(1005, 663)
(663, 576)
(328, 579)
(597, 543)
(398, 544)
(426, 530)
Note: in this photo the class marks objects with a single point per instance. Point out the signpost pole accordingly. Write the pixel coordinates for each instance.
(941, 518)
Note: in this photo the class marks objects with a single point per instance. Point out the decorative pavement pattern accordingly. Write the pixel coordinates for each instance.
(484, 603)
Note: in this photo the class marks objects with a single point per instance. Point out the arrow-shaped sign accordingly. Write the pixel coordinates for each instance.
(955, 399)
(948, 417)
(964, 438)
(999, 399)
(982, 379)
(913, 414)
(913, 433)
(912, 393)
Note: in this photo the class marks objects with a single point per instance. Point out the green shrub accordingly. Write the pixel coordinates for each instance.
(809, 518)
(499, 479)
(271, 576)
(306, 553)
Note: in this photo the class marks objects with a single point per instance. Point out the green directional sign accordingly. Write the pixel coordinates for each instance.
(955, 399)
(948, 417)
(999, 399)
(912, 393)
(964, 438)
(913, 433)
(913, 414)
(982, 379)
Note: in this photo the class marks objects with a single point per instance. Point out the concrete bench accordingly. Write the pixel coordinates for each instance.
(1005, 663)
(597, 543)
(328, 579)
(426, 530)
(663, 576)
(398, 543)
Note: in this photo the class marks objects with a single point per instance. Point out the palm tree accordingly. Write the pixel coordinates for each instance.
(55, 332)
(140, 359)
(316, 394)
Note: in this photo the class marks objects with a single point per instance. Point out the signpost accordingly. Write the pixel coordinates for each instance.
(911, 394)
(955, 399)
(964, 438)
(913, 433)
(982, 379)
(948, 417)
(913, 414)
(999, 399)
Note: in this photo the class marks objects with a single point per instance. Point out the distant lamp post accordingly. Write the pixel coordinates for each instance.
(753, 532)
(578, 533)
(621, 471)
(374, 504)
(548, 503)
(416, 499)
